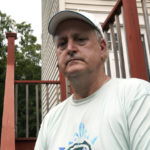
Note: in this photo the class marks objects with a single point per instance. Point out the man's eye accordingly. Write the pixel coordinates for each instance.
(81, 40)
(61, 44)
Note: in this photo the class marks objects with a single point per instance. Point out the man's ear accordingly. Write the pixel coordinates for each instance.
(103, 49)
(102, 43)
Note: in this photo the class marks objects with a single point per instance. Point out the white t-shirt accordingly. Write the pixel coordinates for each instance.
(115, 117)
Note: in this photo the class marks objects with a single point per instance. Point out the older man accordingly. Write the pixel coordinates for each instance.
(102, 113)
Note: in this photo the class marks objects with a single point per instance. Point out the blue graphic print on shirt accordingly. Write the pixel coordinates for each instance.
(81, 140)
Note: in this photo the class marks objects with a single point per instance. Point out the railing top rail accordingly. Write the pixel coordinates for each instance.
(111, 17)
(36, 82)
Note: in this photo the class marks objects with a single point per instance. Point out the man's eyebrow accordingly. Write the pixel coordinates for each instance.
(56, 37)
(61, 37)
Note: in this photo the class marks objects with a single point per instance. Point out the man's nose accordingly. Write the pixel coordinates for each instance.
(71, 47)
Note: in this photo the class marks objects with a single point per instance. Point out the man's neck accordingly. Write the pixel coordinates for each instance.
(87, 85)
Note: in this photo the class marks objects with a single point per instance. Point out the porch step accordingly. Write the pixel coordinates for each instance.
(25, 143)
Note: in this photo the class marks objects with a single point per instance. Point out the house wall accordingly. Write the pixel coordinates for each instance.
(49, 62)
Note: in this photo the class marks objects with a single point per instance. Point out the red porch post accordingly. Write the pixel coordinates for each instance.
(8, 123)
(62, 86)
(135, 48)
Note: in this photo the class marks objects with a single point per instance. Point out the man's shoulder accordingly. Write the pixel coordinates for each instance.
(130, 89)
(56, 110)
(133, 83)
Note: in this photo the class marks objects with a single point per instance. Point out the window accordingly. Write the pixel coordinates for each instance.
(109, 40)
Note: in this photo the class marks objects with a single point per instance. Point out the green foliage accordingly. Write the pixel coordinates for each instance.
(27, 60)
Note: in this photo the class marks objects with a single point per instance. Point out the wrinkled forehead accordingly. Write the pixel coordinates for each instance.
(73, 24)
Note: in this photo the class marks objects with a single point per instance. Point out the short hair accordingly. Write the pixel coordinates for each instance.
(98, 37)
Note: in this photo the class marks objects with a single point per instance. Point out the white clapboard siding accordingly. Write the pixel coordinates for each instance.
(49, 62)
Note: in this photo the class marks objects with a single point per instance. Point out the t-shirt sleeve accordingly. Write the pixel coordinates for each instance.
(41, 139)
(138, 115)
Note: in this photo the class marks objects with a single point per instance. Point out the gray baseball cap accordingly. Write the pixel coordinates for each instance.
(68, 14)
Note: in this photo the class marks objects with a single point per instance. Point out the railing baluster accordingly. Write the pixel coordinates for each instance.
(67, 89)
(127, 61)
(115, 51)
(37, 109)
(16, 110)
(27, 110)
(122, 65)
(47, 99)
(108, 60)
(147, 27)
(147, 22)
(57, 93)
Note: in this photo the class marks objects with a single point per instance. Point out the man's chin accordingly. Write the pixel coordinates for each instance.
(74, 73)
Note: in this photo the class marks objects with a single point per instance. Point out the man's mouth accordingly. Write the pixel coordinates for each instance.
(73, 60)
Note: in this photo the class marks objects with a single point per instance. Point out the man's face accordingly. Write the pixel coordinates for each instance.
(77, 48)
